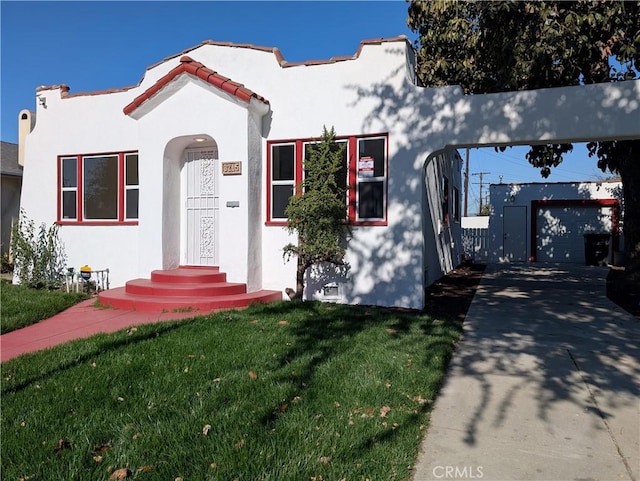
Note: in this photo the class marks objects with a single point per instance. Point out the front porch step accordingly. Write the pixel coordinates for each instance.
(189, 275)
(147, 287)
(185, 288)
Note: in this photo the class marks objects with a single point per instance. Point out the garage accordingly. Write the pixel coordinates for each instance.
(574, 233)
(563, 222)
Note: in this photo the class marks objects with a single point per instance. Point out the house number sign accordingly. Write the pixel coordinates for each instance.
(231, 168)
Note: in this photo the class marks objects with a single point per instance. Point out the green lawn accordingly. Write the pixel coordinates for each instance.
(22, 306)
(287, 391)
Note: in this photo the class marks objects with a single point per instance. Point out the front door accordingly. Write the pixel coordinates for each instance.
(515, 233)
(200, 214)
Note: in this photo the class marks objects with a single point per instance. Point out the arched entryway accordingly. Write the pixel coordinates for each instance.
(190, 202)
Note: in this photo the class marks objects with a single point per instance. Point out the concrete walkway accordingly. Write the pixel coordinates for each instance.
(545, 384)
(80, 321)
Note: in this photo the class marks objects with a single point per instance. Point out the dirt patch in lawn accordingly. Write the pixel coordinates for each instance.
(450, 297)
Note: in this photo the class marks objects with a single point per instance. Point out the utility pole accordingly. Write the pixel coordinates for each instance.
(466, 185)
(481, 175)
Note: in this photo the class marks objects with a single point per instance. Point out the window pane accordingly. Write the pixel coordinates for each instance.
(283, 160)
(69, 204)
(131, 204)
(374, 148)
(131, 169)
(371, 200)
(101, 187)
(69, 172)
(280, 200)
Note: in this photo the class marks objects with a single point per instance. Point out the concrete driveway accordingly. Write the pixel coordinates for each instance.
(545, 384)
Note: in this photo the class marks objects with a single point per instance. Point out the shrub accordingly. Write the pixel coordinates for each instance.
(38, 258)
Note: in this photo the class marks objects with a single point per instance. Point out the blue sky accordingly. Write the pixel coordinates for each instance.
(98, 45)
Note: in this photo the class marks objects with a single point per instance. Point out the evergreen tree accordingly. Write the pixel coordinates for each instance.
(317, 213)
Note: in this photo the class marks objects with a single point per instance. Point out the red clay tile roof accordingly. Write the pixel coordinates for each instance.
(190, 66)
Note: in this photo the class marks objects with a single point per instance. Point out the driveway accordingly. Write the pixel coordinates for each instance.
(545, 384)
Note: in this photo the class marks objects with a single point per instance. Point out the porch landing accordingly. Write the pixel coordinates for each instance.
(187, 288)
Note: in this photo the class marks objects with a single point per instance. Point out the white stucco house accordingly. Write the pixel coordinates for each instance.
(194, 165)
(555, 221)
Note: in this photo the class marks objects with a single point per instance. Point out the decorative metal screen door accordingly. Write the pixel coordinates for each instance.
(201, 203)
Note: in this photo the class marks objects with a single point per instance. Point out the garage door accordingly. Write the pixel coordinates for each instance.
(561, 230)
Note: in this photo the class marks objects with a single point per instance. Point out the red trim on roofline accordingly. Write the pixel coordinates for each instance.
(191, 67)
(276, 52)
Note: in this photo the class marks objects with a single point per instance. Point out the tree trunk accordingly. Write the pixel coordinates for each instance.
(300, 271)
(629, 170)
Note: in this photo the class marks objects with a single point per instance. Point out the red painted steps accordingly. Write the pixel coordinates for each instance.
(185, 288)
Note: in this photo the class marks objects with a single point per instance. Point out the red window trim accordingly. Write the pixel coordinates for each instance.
(352, 179)
(80, 220)
(615, 217)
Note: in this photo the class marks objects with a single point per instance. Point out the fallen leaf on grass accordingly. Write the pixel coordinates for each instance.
(62, 444)
(283, 323)
(145, 469)
(325, 459)
(253, 375)
(120, 474)
(384, 410)
(102, 448)
(97, 459)
(206, 429)
(239, 444)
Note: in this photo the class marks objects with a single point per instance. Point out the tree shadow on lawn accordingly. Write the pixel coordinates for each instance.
(79, 351)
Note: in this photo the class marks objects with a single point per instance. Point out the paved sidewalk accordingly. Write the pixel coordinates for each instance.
(545, 384)
(80, 321)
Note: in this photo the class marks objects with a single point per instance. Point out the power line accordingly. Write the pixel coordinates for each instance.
(481, 175)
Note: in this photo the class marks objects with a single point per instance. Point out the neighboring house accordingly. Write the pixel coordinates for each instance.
(555, 222)
(195, 164)
(11, 174)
